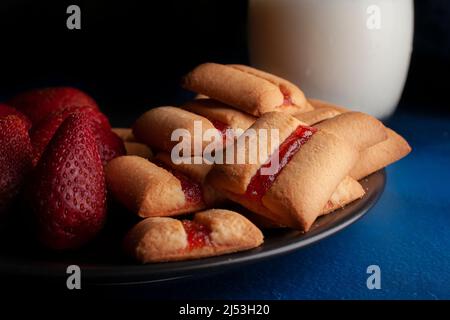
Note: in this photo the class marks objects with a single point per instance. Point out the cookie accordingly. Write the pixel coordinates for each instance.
(155, 128)
(138, 149)
(245, 88)
(347, 191)
(210, 233)
(126, 134)
(317, 115)
(221, 115)
(381, 155)
(150, 190)
(320, 104)
(308, 173)
(194, 170)
(357, 128)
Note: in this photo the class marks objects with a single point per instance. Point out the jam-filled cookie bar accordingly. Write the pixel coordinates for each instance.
(359, 129)
(159, 189)
(381, 155)
(379, 146)
(155, 128)
(247, 89)
(222, 116)
(210, 233)
(346, 192)
(312, 163)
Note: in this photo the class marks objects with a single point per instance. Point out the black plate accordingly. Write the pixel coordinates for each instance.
(103, 263)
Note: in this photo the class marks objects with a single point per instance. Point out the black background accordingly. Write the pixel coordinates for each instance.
(130, 55)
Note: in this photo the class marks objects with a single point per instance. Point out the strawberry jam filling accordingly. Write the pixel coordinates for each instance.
(198, 234)
(219, 125)
(192, 189)
(287, 101)
(259, 184)
(287, 98)
(222, 128)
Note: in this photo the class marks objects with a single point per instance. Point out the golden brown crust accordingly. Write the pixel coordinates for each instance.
(156, 126)
(291, 109)
(307, 182)
(236, 177)
(381, 155)
(196, 172)
(358, 129)
(138, 149)
(244, 90)
(215, 110)
(296, 95)
(317, 115)
(275, 216)
(165, 239)
(230, 230)
(346, 192)
(320, 104)
(153, 239)
(146, 189)
(126, 134)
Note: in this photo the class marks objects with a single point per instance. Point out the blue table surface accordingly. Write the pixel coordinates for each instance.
(407, 234)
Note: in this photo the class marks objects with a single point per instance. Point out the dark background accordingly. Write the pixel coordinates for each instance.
(130, 55)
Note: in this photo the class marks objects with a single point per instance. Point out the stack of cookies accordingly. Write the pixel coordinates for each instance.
(312, 167)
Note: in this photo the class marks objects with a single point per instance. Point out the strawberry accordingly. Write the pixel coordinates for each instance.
(7, 110)
(39, 103)
(15, 158)
(44, 131)
(67, 189)
(109, 144)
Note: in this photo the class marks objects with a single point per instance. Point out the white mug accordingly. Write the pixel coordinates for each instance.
(355, 53)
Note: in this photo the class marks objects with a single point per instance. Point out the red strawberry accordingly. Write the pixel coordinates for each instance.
(7, 110)
(67, 190)
(109, 144)
(39, 103)
(15, 158)
(44, 131)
